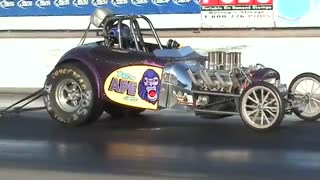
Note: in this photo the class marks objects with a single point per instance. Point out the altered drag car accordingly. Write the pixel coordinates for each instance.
(130, 71)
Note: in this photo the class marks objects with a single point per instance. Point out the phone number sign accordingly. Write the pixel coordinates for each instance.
(237, 13)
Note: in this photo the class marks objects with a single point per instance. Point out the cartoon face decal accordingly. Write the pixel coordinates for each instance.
(149, 86)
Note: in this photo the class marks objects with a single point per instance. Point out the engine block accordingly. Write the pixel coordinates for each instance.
(221, 73)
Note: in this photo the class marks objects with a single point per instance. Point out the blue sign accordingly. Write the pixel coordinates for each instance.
(87, 7)
(293, 11)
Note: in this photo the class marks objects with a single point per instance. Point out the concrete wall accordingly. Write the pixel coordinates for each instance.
(26, 62)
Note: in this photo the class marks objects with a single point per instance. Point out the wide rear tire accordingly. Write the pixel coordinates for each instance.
(70, 95)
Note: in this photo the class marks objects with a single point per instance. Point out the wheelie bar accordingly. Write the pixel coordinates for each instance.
(30, 98)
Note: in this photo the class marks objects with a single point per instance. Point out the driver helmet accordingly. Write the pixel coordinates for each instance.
(126, 36)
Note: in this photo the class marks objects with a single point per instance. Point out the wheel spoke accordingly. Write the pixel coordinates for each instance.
(316, 100)
(68, 98)
(255, 116)
(306, 109)
(311, 107)
(265, 117)
(251, 112)
(251, 106)
(312, 86)
(66, 88)
(271, 113)
(315, 104)
(316, 89)
(270, 102)
(261, 119)
(255, 96)
(253, 100)
(270, 108)
(73, 87)
(305, 85)
(265, 98)
(299, 93)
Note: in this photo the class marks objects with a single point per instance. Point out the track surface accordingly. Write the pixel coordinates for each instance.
(162, 145)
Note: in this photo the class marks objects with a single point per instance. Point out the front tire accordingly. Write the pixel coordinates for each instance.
(70, 96)
(304, 90)
(261, 106)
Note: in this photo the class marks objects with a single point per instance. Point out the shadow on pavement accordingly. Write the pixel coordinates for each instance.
(161, 145)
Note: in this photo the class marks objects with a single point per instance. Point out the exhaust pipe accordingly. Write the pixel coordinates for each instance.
(207, 77)
(203, 77)
(194, 80)
(222, 83)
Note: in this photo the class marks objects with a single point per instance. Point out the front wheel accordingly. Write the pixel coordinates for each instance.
(304, 91)
(70, 96)
(261, 106)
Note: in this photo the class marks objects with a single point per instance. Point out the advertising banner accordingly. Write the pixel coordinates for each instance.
(86, 7)
(297, 13)
(237, 13)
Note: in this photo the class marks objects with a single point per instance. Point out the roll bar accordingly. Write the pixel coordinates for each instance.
(134, 29)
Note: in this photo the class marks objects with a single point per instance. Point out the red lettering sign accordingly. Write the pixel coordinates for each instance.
(245, 2)
(234, 2)
(209, 2)
(263, 1)
(227, 2)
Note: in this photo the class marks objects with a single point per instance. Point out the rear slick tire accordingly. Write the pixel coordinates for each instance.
(70, 96)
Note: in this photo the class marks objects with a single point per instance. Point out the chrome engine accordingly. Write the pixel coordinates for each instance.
(223, 73)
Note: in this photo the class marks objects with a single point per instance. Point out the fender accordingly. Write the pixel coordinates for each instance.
(102, 61)
(265, 73)
(82, 55)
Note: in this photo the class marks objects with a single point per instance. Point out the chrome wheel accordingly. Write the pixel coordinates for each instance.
(68, 95)
(306, 93)
(260, 107)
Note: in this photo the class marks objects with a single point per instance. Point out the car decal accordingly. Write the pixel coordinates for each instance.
(136, 85)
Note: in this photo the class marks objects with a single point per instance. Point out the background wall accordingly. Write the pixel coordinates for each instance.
(26, 62)
(17, 14)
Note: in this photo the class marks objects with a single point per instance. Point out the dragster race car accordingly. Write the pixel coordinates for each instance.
(129, 71)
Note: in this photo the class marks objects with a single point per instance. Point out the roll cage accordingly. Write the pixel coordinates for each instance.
(135, 30)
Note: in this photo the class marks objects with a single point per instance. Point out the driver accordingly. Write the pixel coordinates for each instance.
(126, 36)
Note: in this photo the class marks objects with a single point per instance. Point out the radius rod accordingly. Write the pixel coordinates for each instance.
(30, 98)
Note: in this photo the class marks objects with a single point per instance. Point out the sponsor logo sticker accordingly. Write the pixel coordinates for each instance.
(24, 4)
(43, 3)
(119, 3)
(98, 3)
(139, 2)
(61, 3)
(181, 2)
(80, 3)
(7, 4)
(160, 2)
